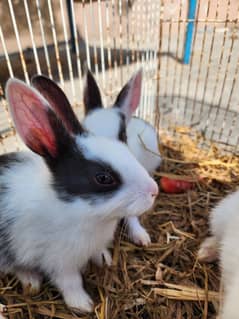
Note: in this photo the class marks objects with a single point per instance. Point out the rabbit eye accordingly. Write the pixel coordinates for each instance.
(104, 178)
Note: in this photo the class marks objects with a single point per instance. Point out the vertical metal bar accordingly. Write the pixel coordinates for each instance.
(114, 28)
(43, 39)
(201, 67)
(23, 62)
(157, 102)
(228, 62)
(219, 68)
(149, 58)
(53, 28)
(76, 44)
(101, 41)
(93, 26)
(133, 36)
(108, 40)
(177, 53)
(71, 20)
(68, 54)
(6, 53)
(189, 33)
(208, 70)
(168, 64)
(120, 40)
(155, 57)
(127, 33)
(181, 79)
(142, 45)
(86, 35)
(236, 117)
(32, 37)
(144, 39)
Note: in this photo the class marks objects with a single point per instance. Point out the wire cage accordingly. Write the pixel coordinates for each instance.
(115, 38)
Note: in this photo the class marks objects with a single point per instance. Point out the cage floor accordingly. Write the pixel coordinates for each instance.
(165, 279)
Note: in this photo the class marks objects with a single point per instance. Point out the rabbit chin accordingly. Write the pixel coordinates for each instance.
(139, 207)
(125, 203)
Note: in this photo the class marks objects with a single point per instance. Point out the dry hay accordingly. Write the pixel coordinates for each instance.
(164, 280)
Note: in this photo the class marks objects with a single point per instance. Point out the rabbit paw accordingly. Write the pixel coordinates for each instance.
(140, 236)
(31, 282)
(71, 285)
(208, 251)
(137, 232)
(79, 302)
(102, 256)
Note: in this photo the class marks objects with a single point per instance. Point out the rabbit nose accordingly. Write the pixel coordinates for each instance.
(153, 189)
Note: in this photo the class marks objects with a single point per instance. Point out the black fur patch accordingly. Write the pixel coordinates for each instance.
(92, 96)
(58, 101)
(7, 160)
(122, 136)
(76, 176)
(122, 96)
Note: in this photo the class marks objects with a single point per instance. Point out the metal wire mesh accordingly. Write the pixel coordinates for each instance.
(115, 37)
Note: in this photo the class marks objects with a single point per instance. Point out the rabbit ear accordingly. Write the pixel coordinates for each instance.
(129, 97)
(58, 102)
(35, 122)
(92, 96)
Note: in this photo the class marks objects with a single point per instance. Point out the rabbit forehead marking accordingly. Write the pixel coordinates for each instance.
(76, 176)
(122, 136)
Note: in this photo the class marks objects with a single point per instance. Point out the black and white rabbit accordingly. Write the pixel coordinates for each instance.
(224, 226)
(60, 204)
(115, 123)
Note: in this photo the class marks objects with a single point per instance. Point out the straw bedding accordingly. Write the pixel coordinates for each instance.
(164, 280)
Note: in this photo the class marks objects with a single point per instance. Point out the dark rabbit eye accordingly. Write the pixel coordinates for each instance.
(104, 178)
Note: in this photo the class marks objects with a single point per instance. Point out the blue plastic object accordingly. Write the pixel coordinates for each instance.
(189, 32)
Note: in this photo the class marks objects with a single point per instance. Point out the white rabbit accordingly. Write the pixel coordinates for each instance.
(224, 242)
(115, 123)
(60, 204)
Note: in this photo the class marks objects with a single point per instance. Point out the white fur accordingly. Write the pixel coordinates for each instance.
(229, 257)
(103, 122)
(101, 257)
(224, 225)
(209, 250)
(48, 234)
(107, 122)
(137, 232)
(60, 237)
(31, 281)
(141, 137)
(136, 180)
(142, 142)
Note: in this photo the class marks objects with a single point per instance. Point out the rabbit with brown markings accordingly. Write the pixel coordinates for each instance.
(61, 201)
(115, 122)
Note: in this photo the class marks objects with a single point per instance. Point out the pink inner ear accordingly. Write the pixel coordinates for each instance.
(30, 114)
(135, 92)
